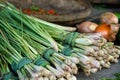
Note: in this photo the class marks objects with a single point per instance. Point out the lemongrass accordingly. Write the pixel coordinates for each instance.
(74, 68)
(46, 73)
(55, 72)
(45, 78)
(40, 78)
(102, 62)
(61, 78)
(24, 41)
(15, 53)
(52, 77)
(71, 77)
(101, 53)
(93, 70)
(74, 59)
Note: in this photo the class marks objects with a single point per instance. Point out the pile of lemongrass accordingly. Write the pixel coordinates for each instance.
(42, 45)
(24, 47)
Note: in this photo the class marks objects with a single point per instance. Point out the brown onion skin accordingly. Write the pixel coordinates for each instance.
(108, 31)
(104, 30)
(86, 27)
(109, 18)
(114, 31)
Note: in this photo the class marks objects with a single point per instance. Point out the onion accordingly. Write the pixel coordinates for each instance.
(108, 31)
(87, 27)
(109, 17)
(114, 31)
(104, 29)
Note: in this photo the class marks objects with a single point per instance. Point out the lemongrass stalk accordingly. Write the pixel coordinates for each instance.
(46, 73)
(74, 59)
(116, 56)
(74, 68)
(34, 27)
(99, 58)
(10, 31)
(84, 41)
(84, 59)
(54, 71)
(71, 77)
(93, 70)
(54, 25)
(46, 78)
(40, 78)
(100, 52)
(106, 66)
(33, 74)
(42, 21)
(20, 75)
(84, 49)
(87, 72)
(61, 78)
(66, 68)
(25, 73)
(94, 63)
(3, 65)
(29, 20)
(57, 66)
(118, 52)
(85, 67)
(52, 77)
(96, 36)
(63, 65)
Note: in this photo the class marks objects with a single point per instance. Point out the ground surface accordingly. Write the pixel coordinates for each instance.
(104, 73)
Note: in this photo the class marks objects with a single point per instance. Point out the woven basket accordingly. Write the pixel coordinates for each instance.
(71, 12)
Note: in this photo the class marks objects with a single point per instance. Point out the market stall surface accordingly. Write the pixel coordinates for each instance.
(104, 73)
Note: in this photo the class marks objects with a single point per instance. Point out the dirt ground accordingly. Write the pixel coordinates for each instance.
(104, 73)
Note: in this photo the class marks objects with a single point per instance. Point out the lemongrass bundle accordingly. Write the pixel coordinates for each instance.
(32, 33)
(22, 66)
(11, 31)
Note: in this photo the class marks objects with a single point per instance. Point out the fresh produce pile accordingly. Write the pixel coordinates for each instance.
(33, 49)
